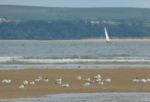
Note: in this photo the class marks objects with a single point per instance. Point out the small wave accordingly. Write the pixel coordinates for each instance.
(39, 60)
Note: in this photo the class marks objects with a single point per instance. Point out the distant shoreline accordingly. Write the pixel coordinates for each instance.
(86, 40)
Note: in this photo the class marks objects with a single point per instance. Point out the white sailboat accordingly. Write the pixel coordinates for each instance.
(107, 37)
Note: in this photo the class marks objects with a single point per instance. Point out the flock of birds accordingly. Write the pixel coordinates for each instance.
(58, 81)
(98, 80)
(141, 80)
(6, 81)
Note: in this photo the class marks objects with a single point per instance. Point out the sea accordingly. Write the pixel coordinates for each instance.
(87, 97)
(72, 55)
(22, 55)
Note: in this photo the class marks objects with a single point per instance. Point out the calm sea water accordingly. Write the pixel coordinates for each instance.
(74, 54)
(87, 97)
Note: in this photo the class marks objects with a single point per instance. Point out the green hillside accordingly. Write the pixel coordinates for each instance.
(51, 13)
(66, 30)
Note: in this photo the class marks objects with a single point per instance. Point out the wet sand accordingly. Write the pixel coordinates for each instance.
(120, 81)
(86, 40)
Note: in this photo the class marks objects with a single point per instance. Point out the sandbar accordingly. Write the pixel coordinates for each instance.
(86, 40)
(121, 81)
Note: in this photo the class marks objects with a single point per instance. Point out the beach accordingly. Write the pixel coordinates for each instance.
(122, 61)
(86, 40)
(121, 81)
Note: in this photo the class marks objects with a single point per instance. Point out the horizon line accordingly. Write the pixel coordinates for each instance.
(69, 7)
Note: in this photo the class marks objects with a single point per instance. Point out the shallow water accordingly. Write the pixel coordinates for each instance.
(67, 66)
(74, 54)
(87, 97)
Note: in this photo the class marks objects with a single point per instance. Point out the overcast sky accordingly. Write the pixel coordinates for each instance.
(79, 3)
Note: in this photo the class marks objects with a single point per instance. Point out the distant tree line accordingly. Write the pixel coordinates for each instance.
(66, 30)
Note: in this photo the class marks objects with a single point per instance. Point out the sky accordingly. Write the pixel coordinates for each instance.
(79, 3)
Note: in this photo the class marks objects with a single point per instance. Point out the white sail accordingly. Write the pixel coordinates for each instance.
(106, 34)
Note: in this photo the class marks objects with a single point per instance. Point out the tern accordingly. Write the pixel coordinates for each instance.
(87, 79)
(46, 80)
(107, 80)
(58, 82)
(79, 77)
(32, 82)
(98, 80)
(100, 83)
(4, 81)
(136, 80)
(25, 82)
(65, 85)
(86, 84)
(22, 86)
(58, 79)
(97, 77)
(143, 80)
